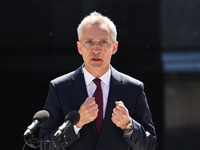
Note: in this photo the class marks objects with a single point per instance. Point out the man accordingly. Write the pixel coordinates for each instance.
(118, 117)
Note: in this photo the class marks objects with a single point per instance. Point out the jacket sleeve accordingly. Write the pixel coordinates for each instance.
(54, 107)
(143, 136)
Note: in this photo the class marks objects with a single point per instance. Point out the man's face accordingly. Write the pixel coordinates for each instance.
(96, 48)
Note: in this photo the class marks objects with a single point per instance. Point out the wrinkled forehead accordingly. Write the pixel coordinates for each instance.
(96, 31)
(97, 26)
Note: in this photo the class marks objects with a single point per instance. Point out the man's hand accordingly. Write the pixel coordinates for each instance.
(88, 112)
(120, 115)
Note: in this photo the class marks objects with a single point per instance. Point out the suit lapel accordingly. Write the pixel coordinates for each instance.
(115, 94)
(80, 92)
(79, 87)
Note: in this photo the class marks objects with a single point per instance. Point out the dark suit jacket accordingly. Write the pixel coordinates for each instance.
(68, 92)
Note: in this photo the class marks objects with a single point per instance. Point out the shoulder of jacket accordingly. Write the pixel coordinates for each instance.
(126, 79)
(64, 78)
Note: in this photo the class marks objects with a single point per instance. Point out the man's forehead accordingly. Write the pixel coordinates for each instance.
(96, 31)
(96, 26)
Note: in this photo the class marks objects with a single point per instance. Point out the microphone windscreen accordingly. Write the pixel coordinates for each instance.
(42, 116)
(73, 117)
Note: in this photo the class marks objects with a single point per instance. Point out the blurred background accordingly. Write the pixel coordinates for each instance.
(159, 44)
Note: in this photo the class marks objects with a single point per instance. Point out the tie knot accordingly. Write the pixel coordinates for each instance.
(97, 82)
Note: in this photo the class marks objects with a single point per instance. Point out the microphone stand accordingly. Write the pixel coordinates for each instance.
(57, 141)
(60, 141)
(34, 143)
(31, 141)
(47, 144)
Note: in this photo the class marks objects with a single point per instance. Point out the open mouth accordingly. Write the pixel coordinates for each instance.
(96, 59)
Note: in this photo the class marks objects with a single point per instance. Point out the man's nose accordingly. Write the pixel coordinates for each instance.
(96, 47)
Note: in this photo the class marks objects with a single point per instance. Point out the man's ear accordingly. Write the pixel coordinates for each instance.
(115, 47)
(79, 47)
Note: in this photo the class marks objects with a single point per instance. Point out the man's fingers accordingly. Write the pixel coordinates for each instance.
(90, 101)
(120, 115)
(116, 110)
(119, 103)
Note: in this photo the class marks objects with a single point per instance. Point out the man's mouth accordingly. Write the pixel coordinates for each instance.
(96, 59)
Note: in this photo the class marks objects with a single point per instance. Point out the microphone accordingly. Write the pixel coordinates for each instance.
(71, 118)
(39, 119)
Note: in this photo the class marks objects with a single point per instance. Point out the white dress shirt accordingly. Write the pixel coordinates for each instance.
(91, 87)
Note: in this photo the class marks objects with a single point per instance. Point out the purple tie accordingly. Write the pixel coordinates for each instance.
(99, 100)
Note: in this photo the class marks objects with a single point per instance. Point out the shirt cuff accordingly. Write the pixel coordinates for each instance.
(76, 130)
(128, 135)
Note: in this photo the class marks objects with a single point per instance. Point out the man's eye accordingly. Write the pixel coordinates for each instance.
(103, 41)
(89, 42)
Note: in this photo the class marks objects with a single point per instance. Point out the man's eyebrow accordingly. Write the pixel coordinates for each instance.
(105, 39)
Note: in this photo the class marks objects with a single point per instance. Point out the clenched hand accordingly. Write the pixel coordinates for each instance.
(120, 115)
(88, 112)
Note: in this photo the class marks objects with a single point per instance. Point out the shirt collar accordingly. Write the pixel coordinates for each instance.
(105, 78)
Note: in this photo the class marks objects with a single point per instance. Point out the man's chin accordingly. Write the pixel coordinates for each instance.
(97, 66)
